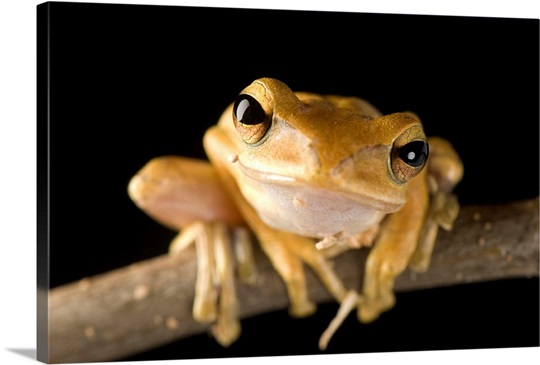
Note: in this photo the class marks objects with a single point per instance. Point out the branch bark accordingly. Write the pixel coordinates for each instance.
(148, 304)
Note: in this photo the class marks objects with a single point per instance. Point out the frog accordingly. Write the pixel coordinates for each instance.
(306, 177)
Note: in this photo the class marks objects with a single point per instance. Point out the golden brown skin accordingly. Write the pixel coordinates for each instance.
(312, 176)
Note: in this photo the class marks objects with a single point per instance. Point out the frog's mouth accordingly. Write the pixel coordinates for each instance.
(382, 203)
(295, 205)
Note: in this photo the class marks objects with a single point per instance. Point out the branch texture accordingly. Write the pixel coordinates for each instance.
(148, 304)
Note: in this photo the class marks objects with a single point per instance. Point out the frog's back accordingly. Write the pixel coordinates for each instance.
(343, 102)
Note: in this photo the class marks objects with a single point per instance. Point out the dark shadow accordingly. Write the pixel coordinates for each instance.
(30, 353)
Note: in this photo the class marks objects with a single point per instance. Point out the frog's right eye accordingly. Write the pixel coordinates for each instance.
(250, 119)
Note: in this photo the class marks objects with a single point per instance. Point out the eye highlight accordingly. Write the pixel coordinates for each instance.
(250, 119)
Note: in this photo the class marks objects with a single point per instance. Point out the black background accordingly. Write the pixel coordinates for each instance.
(129, 83)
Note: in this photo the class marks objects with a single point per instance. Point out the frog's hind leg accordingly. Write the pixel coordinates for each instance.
(288, 252)
(445, 170)
(392, 252)
(443, 210)
(407, 237)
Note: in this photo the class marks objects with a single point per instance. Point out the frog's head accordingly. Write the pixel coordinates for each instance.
(320, 165)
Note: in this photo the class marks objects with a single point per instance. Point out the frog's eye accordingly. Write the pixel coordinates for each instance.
(409, 159)
(250, 119)
(414, 153)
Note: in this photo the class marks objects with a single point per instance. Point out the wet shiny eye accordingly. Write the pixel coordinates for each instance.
(414, 153)
(250, 119)
(248, 111)
(408, 158)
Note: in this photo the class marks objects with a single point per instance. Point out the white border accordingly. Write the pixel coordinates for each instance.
(18, 169)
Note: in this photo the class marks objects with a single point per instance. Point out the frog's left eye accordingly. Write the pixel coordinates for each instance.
(414, 153)
(409, 159)
(250, 119)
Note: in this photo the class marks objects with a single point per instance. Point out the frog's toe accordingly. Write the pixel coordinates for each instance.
(205, 304)
(368, 313)
(304, 309)
(226, 333)
(243, 253)
(370, 310)
(215, 294)
(420, 263)
(205, 308)
(227, 328)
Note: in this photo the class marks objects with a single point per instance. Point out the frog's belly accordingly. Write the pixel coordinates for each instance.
(309, 211)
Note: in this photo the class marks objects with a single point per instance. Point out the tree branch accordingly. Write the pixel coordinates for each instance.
(148, 304)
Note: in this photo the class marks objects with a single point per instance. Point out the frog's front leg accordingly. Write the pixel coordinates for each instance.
(392, 251)
(287, 252)
(408, 236)
(185, 195)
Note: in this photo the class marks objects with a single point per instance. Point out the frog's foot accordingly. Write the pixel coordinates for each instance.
(289, 267)
(215, 295)
(370, 308)
(383, 265)
(243, 253)
(443, 211)
(205, 303)
(227, 328)
(445, 171)
(334, 245)
(288, 252)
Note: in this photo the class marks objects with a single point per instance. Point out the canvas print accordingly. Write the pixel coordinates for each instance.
(221, 182)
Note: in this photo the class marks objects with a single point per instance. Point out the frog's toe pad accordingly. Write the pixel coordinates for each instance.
(205, 309)
(369, 311)
(304, 310)
(420, 264)
(225, 335)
